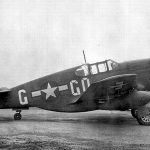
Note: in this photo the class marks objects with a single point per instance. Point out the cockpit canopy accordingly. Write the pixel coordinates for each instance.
(82, 70)
(96, 68)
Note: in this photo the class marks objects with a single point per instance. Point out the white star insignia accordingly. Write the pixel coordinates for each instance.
(49, 91)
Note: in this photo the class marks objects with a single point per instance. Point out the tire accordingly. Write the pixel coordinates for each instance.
(134, 113)
(145, 120)
(17, 116)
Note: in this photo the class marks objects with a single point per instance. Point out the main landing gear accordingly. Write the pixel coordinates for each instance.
(143, 120)
(17, 115)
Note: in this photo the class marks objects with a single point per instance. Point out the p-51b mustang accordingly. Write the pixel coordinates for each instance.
(105, 85)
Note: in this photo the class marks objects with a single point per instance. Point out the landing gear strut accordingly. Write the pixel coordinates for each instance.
(17, 115)
(134, 113)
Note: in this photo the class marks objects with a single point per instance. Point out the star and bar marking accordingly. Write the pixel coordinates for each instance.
(49, 91)
(73, 86)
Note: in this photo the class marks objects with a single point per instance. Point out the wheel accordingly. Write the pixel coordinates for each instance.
(145, 120)
(17, 116)
(134, 113)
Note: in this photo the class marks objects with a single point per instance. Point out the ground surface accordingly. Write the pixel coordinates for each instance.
(101, 130)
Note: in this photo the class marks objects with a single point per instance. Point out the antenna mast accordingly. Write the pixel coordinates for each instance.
(84, 56)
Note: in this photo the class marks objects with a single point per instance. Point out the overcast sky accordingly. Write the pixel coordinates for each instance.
(39, 37)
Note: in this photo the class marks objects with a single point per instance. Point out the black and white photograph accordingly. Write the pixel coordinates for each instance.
(74, 74)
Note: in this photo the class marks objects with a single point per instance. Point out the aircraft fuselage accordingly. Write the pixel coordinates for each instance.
(59, 91)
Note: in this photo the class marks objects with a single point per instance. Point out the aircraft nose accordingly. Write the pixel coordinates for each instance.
(137, 64)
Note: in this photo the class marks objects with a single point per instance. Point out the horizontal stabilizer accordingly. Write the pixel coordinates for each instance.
(4, 90)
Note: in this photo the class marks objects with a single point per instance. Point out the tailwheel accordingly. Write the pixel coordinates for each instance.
(144, 120)
(134, 113)
(17, 116)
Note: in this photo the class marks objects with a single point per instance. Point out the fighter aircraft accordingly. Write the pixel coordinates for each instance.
(105, 85)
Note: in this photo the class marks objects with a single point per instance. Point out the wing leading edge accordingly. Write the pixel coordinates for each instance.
(109, 88)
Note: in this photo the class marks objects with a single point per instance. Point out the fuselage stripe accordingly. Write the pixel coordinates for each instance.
(36, 93)
(63, 87)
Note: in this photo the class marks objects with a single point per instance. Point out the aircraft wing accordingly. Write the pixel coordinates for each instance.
(110, 88)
